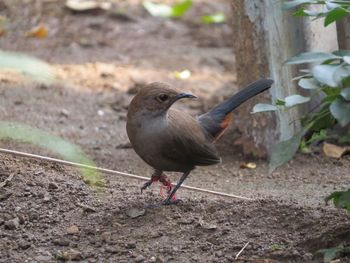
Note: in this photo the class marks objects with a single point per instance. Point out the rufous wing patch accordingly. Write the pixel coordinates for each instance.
(224, 124)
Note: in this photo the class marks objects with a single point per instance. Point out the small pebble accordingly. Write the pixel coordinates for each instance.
(139, 259)
(135, 212)
(72, 230)
(53, 186)
(71, 254)
(12, 224)
(23, 244)
(64, 242)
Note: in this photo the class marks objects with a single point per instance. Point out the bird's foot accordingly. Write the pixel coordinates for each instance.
(146, 185)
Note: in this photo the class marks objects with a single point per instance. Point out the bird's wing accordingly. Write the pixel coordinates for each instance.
(189, 143)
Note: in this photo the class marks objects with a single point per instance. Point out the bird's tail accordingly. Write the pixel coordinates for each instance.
(217, 120)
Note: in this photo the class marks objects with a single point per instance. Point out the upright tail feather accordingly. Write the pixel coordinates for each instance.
(217, 120)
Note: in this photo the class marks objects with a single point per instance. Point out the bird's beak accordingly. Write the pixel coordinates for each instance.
(184, 95)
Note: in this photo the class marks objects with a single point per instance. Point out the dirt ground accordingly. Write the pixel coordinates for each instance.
(48, 214)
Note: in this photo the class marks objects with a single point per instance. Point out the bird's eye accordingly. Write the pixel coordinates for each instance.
(162, 97)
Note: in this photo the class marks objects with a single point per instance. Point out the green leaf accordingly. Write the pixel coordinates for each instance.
(284, 151)
(163, 10)
(309, 84)
(321, 119)
(330, 253)
(345, 139)
(300, 12)
(290, 4)
(341, 199)
(326, 74)
(340, 109)
(335, 15)
(341, 53)
(261, 107)
(181, 8)
(309, 57)
(280, 102)
(346, 59)
(295, 99)
(33, 67)
(317, 136)
(214, 18)
(345, 93)
(70, 152)
(157, 9)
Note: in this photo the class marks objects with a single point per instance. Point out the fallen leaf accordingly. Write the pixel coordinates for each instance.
(247, 165)
(335, 151)
(39, 31)
(83, 6)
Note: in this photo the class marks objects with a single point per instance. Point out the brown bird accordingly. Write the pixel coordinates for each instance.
(172, 140)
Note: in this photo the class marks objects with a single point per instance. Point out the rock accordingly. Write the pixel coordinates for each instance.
(53, 186)
(153, 259)
(206, 225)
(71, 254)
(47, 198)
(12, 224)
(130, 245)
(72, 230)
(87, 209)
(64, 242)
(23, 244)
(135, 212)
(139, 259)
(112, 249)
(64, 113)
(4, 196)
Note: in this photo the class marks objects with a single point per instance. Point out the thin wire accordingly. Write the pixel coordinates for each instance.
(108, 171)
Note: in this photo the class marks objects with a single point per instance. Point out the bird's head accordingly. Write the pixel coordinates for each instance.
(156, 98)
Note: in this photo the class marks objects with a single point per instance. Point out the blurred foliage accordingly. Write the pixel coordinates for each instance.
(179, 9)
(26, 134)
(332, 11)
(43, 73)
(28, 65)
(216, 18)
(330, 254)
(163, 10)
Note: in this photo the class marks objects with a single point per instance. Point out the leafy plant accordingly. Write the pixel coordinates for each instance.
(331, 79)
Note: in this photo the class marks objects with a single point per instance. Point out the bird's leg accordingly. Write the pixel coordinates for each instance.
(168, 200)
(154, 178)
(168, 185)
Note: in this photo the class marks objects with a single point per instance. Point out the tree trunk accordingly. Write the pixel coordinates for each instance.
(264, 36)
(343, 30)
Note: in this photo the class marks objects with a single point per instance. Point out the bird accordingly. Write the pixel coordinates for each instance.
(172, 140)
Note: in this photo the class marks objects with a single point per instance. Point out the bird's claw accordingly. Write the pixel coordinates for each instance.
(146, 185)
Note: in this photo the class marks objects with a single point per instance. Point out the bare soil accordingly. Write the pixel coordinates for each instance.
(47, 212)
